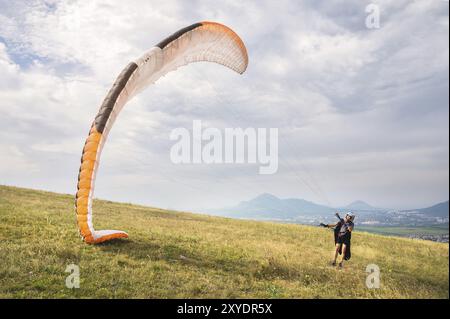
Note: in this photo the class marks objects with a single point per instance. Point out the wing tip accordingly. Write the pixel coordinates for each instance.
(236, 38)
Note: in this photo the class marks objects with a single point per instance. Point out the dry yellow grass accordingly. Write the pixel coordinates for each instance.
(183, 255)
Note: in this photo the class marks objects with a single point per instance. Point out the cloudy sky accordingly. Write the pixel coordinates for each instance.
(362, 113)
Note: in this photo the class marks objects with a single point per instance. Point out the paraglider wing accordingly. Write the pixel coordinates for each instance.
(204, 41)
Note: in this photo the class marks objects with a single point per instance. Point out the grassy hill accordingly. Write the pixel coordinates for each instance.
(172, 254)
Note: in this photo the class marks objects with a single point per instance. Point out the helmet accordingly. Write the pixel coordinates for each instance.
(350, 215)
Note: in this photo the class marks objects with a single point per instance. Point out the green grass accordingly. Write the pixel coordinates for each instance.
(406, 231)
(172, 254)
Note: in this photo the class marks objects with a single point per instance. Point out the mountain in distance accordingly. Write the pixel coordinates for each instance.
(268, 206)
(360, 205)
(438, 210)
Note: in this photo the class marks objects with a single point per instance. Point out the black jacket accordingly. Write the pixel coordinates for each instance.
(337, 229)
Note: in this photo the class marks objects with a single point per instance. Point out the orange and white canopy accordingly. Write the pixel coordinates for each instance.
(204, 41)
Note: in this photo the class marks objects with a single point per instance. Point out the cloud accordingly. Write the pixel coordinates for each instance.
(362, 114)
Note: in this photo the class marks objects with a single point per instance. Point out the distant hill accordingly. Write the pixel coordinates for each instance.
(268, 206)
(438, 210)
(361, 205)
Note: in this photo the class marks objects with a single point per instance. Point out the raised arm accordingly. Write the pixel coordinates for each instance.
(328, 225)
